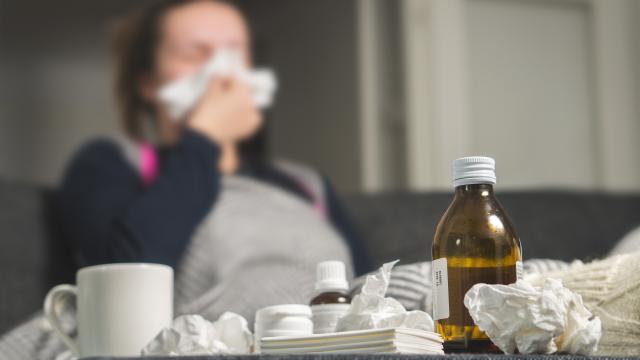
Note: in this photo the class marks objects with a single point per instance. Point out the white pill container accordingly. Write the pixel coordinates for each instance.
(282, 320)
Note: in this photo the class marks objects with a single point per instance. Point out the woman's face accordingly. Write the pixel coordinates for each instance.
(190, 34)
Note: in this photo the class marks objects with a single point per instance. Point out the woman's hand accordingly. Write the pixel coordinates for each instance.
(226, 113)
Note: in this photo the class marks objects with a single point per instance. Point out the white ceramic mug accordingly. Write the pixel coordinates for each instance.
(120, 308)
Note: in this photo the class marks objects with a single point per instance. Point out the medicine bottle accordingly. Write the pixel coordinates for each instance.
(282, 320)
(332, 299)
(474, 242)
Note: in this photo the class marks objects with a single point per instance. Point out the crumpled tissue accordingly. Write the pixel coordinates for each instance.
(534, 319)
(194, 335)
(181, 95)
(372, 310)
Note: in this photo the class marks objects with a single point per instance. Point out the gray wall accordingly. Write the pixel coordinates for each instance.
(55, 91)
(313, 47)
(55, 88)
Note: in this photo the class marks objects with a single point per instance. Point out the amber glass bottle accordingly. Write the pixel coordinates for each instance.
(475, 242)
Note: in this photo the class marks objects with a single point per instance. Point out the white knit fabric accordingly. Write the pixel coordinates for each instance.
(629, 243)
(610, 289)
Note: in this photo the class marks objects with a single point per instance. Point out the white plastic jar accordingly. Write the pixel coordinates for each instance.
(282, 320)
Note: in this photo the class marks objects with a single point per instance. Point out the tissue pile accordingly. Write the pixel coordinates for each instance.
(181, 95)
(372, 323)
(534, 319)
(194, 335)
(372, 310)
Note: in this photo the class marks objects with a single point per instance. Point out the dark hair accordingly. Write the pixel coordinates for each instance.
(134, 44)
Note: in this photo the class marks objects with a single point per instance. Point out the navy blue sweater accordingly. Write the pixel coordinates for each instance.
(107, 215)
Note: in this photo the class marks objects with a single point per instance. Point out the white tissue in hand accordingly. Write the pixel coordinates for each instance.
(534, 319)
(194, 335)
(181, 95)
(371, 310)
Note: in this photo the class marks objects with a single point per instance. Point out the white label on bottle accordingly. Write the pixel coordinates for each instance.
(519, 271)
(440, 289)
(325, 317)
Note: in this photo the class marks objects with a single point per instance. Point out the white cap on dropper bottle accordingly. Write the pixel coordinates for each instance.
(474, 170)
(331, 276)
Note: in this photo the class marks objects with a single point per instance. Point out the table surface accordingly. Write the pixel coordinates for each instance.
(386, 357)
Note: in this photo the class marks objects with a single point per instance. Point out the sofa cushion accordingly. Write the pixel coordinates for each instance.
(23, 258)
(553, 224)
(561, 225)
(32, 259)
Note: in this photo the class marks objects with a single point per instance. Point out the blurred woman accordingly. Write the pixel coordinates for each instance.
(199, 194)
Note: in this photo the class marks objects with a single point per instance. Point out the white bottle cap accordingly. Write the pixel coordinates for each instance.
(331, 275)
(474, 170)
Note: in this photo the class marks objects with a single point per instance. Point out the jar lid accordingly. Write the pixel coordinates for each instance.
(278, 311)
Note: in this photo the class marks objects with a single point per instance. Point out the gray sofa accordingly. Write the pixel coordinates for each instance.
(554, 224)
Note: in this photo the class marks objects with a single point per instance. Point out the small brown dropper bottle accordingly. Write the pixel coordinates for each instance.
(333, 299)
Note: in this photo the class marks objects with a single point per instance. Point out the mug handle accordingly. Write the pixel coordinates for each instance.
(58, 295)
